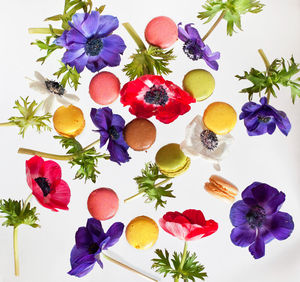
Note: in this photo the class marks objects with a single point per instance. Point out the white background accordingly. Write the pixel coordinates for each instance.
(44, 253)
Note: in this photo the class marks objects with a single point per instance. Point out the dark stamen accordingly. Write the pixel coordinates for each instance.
(93, 248)
(157, 95)
(256, 217)
(209, 139)
(93, 46)
(54, 87)
(192, 50)
(114, 134)
(44, 185)
(263, 119)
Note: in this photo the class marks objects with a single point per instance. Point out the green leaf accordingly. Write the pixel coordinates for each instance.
(100, 9)
(28, 116)
(148, 187)
(150, 61)
(70, 76)
(16, 214)
(232, 10)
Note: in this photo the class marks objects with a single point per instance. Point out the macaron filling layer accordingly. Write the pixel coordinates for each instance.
(177, 172)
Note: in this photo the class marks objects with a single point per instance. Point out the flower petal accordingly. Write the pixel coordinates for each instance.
(107, 24)
(281, 225)
(117, 152)
(33, 169)
(182, 34)
(110, 58)
(95, 229)
(114, 43)
(243, 235)
(71, 55)
(257, 249)
(196, 231)
(195, 216)
(83, 238)
(193, 34)
(83, 266)
(177, 230)
(60, 195)
(51, 171)
(48, 104)
(238, 213)
(114, 233)
(89, 26)
(102, 118)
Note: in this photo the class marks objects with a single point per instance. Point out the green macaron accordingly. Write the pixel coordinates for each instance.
(199, 83)
(171, 161)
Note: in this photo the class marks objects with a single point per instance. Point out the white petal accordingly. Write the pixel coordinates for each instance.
(62, 100)
(48, 104)
(72, 97)
(39, 87)
(39, 77)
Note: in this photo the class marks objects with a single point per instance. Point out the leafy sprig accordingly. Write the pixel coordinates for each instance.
(150, 189)
(280, 72)
(149, 61)
(86, 159)
(191, 268)
(231, 11)
(28, 116)
(16, 213)
(71, 76)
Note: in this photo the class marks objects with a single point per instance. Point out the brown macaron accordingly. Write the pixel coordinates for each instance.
(140, 134)
(221, 188)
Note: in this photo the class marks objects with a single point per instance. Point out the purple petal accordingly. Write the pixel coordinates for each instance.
(95, 229)
(114, 233)
(61, 41)
(238, 213)
(77, 254)
(99, 262)
(81, 62)
(257, 249)
(78, 19)
(104, 137)
(73, 35)
(114, 43)
(266, 234)
(250, 107)
(282, 122)
(281, 225)
(212, 64)
(243, 235)
(90, 25)
(273, 204)
(71, 55)
(118, 121)
(182, 34)
(271, 128)
(194, 34)
(107, 24)
(263, 100)
(95, 66)
(102, 118)
(118, 153)
(83, 238)
(83, 266)
(112, 59)
(247, 193)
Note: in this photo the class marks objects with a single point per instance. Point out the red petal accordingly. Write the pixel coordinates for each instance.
(60, 194)
(179, 94)
(142, 110)
(175, 217)
(195, 217)
(198, 232)
(51, 171)
(33, 169)
(178, 230)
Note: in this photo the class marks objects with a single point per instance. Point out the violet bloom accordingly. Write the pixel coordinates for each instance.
(90, 241)
(195, 48)
(257, 218)
(90, 43)
(111, 129)
(260, 119)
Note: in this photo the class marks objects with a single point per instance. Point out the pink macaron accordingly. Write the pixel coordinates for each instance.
(103, 203)
(104, 88)
(162, 32)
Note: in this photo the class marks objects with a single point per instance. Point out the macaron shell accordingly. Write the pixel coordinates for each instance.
(222, 182)
(217, 192)
(199, 83)
(104, 88)
(140, 134)
(142, 232)
(177, 172)
(103, 203)
(162, 32)
(68, 121)
(220, 118)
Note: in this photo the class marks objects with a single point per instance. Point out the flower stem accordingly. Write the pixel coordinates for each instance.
(135, 36)
(43, 30)
(140, 193)
(45, 155)
(6, 124)
(267, 64)
(176, 279)
(127, 267)
(214, 25)
(91, 145)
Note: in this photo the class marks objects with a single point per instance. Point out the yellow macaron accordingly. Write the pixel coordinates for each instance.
(220, 118)
(142, 232)
(68, 121)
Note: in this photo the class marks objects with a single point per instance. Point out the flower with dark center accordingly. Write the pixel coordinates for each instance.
(110, 126)
(151, 95)
(209, 139)
(195, 48)
(54, 87)
(44, 179)
(90, 241)
(263, 118)
(257, 218)
(90, 42)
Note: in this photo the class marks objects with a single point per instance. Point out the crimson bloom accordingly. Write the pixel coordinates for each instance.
(44, 179)
(189, 225)
(151, 95)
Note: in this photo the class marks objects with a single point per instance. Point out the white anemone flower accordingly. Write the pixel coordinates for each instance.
(53, 90)
(201, 142)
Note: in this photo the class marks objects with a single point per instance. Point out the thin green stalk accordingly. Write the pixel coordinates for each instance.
(214, 25)
(6, 124)
(127, 267)
(267, 64)
(176, 279)
(91, 145)
(140, 193)
(45, 155)
(135, 36)
(43, 30)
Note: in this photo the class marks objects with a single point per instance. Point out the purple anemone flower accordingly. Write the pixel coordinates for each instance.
(195, 48)
(111, 129)
(257, 218)
(90, 241)
(260, 119)
(90, 43)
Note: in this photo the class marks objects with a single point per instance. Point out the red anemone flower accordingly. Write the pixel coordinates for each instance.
(189, 225)
(151, 95)
(44, 179)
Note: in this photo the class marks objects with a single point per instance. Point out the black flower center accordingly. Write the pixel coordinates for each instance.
(93, 46)
(44, 185)
(113, 133)
(93, 248)
(256, 217)
(263, 119)
(55, 87)
(192, 50)
(209, 139)
(157, 95)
